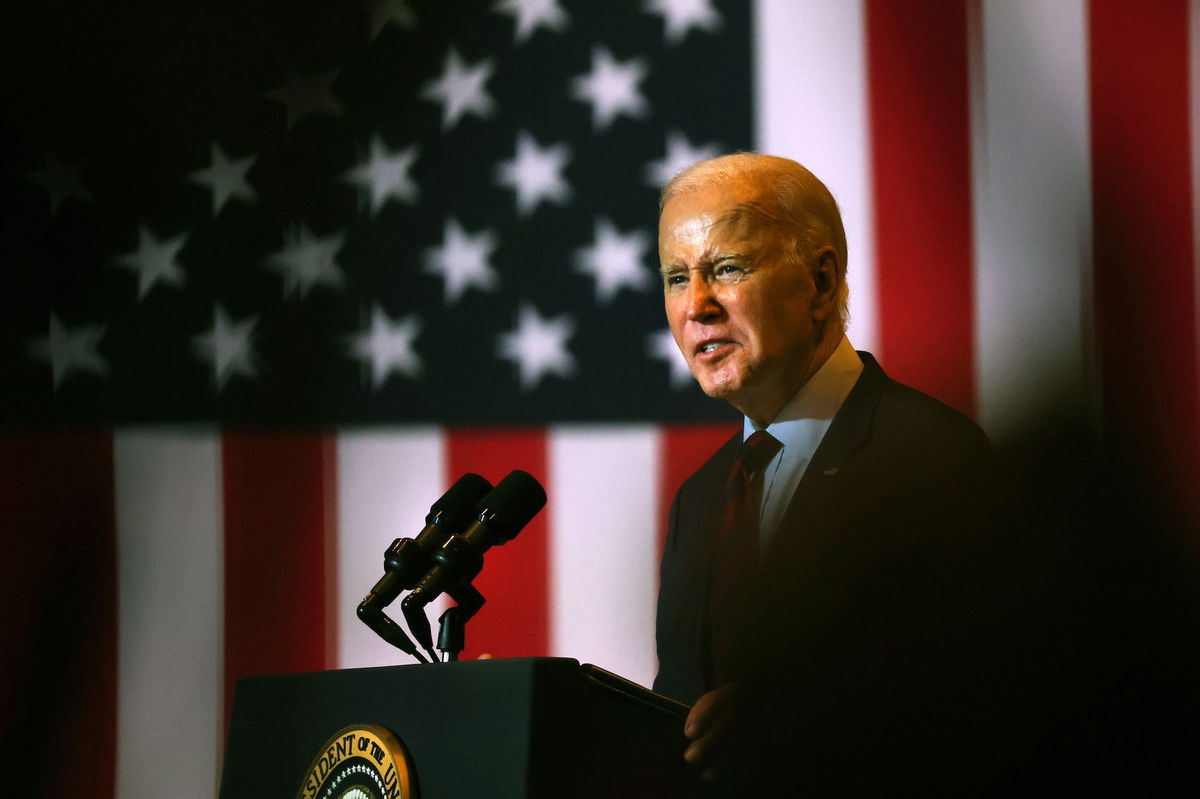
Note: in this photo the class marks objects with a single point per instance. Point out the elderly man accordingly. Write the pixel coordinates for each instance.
(809, 563)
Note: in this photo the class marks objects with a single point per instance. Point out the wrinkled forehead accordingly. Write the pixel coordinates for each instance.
(751, 218)
(707, 215)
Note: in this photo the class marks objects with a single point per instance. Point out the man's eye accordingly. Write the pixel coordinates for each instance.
(728, 270)
(674, 279)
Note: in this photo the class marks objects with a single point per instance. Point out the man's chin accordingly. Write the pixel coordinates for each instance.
(730, 388)
(717, 388)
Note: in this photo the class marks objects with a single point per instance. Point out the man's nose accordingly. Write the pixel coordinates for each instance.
(702, 303)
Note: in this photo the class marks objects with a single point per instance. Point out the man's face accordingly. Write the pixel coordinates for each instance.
(741, 309)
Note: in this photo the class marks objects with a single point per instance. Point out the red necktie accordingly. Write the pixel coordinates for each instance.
(735, 555)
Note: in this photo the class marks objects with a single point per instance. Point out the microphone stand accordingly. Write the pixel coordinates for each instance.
(452, 629)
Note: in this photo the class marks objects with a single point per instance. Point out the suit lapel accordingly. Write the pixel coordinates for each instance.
(847, 435)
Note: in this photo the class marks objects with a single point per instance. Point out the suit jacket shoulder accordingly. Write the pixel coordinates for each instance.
(890, 423)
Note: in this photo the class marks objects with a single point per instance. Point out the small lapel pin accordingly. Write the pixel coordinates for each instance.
(831, 471)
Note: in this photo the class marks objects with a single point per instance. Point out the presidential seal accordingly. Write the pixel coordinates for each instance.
(361, 761)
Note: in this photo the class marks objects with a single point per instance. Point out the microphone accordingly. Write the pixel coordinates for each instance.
(500, 516)
(407, 559)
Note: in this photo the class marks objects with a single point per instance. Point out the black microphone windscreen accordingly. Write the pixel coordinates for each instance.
(458, 504)
(511, 504)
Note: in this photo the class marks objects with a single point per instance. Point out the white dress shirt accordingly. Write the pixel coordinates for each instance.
(800, 426)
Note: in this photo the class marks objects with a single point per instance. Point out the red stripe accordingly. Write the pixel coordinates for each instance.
(921, 164)
(279, 492)
(515, 622)
(58, 670)
(684, 450)
(1144, 250)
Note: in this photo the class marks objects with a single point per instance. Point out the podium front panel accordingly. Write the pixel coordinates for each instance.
(528, 727)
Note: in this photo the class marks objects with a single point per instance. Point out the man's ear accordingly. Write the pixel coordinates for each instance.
(825, 281)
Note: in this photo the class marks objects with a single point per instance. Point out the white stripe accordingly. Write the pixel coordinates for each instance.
(170, 567)
(387, 479)
(1032, 205)
(811, 104)
(604, 518)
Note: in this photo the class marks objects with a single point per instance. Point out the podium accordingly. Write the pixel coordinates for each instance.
(504, 729)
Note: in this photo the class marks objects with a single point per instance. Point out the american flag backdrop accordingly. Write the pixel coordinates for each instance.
(275, 274)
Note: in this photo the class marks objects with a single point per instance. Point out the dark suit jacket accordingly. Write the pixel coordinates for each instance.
(869, 583)
(928, 624)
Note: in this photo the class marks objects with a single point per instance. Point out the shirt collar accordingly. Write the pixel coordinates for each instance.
(819, 398)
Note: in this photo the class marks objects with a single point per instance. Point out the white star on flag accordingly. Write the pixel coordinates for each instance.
(305, 95)
(614, 260)
(386, 346)
(535, 174)
(227, 348)
(69, 350)
(154, 261)
(390, 12)
(61, 180)
(680, 154)
(462, 260)
(661, 345)
(461, 89)
(680, 16)
(384, 175)
(611, 87)
(529, 15)
(307, 261)
(226, 178)
(538, 347)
